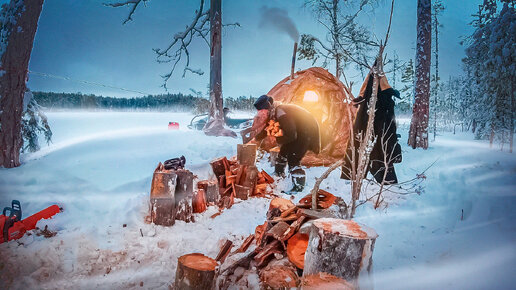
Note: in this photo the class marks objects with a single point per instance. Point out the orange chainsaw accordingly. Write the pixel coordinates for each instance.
(12, 227)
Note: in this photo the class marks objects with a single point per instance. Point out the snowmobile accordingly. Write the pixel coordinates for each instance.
(199, 121)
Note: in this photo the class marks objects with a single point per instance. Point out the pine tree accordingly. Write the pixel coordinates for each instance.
(34, 123)
(407, 91)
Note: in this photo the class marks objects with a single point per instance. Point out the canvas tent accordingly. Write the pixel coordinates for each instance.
(326, 97)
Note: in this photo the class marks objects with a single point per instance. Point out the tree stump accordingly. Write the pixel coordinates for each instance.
(324, 281)
(211, 190)
(246, 154)
(343, 248)
(162, 201)
(195, 271)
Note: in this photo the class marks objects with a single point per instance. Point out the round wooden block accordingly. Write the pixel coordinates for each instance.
(324, 281)
(195, 271)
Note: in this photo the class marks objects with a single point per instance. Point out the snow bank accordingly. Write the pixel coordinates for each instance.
(459, 233)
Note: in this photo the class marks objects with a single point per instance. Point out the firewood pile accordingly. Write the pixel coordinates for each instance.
(240, 178)
(275, 252)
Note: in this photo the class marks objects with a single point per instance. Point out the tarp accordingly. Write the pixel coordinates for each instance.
(331, 106)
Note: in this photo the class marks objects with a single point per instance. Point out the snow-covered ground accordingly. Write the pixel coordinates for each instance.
(459, 233)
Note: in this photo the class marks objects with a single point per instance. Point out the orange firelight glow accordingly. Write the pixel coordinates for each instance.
(310, 96)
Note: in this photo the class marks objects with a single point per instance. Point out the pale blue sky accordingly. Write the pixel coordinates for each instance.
(85, 40)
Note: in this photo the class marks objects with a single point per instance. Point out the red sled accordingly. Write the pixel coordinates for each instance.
(173, 125)
(12, 227)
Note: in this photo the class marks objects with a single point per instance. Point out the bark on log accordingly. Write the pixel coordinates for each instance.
(263, 256)
(184, 195)
(211, 190)
(18, 33)
(242, 192)
(162, 202)
(273, 155)
(195, 271)
(246, 154)
(277, 231)
(324, 281)
(282, 275)
(199, 201)
(342, 248)
(219, 166)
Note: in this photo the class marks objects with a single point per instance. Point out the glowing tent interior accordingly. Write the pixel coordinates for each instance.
(326, 97)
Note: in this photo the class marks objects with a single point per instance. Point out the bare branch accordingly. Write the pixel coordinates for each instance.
(133, 3)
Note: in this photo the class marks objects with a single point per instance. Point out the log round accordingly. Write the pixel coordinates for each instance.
(195, 271)
(279, 277)
(324, 281)
(340, 247)
(296, 249)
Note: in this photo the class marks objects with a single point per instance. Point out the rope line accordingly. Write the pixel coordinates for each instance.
(85, 82)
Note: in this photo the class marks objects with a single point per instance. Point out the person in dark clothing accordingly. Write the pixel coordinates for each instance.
(386, 147)
(299, 132)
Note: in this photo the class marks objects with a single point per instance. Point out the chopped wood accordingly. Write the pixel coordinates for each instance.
(324, 281)
(324, 200)
(240, 173)
(219, 166)
(259, 232)
(272, 248)
(291, 217)
(315, 214)
(245, 245)
(224, 251)
(216, 215)
(242, 192)
(296, 248)
(243, 262)
(278, 206)
(162, 198)
(277, 230)
(288, 212)
(227, 164)
(246, 154)
(195, 271)
(267, 177)
(222, 181)
(211, 190)
(292, 229)
(199, 201)
(279, 277)
(260, 189)
(230, 179)
(250, 177)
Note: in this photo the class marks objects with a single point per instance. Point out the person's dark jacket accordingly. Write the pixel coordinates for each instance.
(384, 132)
(298, 125)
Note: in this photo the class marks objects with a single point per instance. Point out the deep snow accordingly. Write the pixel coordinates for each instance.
(459, 233)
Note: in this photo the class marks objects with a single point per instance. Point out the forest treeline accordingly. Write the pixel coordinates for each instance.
(162, 102)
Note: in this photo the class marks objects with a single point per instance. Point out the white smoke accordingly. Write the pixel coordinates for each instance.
(277, 18)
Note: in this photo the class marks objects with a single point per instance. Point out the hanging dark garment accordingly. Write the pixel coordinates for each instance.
(384, 132)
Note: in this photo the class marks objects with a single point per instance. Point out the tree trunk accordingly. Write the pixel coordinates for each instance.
(335, 35)
(339, 247)
(215, 124)
(14, 63)
(195, 271)
(418, 134)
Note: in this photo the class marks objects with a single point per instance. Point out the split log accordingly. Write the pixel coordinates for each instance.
(224, 251)
(343, 248)
(324, 200)
(324, 281)
(273, 155)
(260, 231)
(267, 177)
(211, 190)
(162, 202)
(250, 177)
(270, 249)
(240, 174)
(292, 229)
(296, 248)
(219, 166)
(195, 271)
(242, 192)
(245, 245)
(279, 276)
(184, 195)
(246, 154)
(199, 202)
(315, 214)
(277, 231)
(278, 206)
